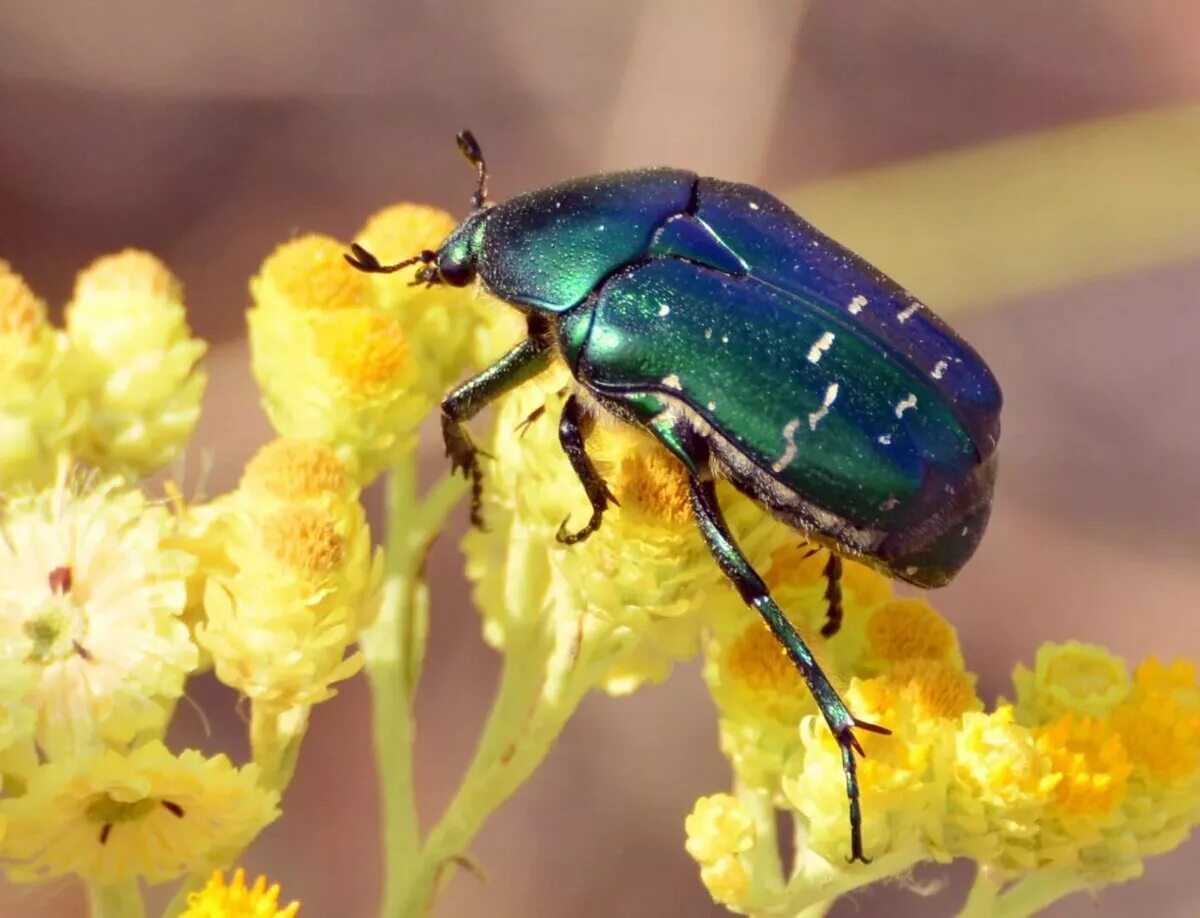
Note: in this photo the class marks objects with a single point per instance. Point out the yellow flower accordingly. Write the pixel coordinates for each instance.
(131, 344)
(91, 602)
(719, 833)
(1002, 783)
(237, 900)
(333, 366)
(910, 629)
(903, 777)
(115, 816)
(1159, 722)
(300, 579)
(440, 321)
(1092, 762)
(1073, 677)
(39, 414)
(761, 699)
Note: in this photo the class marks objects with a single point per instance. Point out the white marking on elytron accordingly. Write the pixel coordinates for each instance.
(817, 416)
(708, 334)
(664, 309)
(939, 368)
(820, 346)
(789, 452)
(712, 406)
(672, 382)
(889, 503)
(600, 228)
(907, 314)
(965, 530)
(885, 439)
(724, 339)
(857, 304)
(753, 206)
(909, 401)
(910, 570)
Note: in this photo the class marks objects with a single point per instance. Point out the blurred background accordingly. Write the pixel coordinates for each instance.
(935, 137)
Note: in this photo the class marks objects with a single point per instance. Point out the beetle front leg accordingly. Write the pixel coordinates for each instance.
(573, 427)
(523, 362)
(755, 594)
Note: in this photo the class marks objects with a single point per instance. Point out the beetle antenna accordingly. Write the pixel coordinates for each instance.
(365, 261)
(468, 146)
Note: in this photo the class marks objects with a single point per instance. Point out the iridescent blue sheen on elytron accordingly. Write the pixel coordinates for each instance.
(722, 346)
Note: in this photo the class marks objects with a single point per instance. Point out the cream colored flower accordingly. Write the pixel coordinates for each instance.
(91, 602)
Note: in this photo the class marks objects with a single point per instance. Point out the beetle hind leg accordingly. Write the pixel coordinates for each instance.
(755, 594)
(690, 448)
(572, 429)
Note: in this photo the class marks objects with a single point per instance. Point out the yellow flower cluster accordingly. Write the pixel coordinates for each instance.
(118, 388)
(645, 577)
(109, 600)
(296, 581)
(354, 360)
(1089, 771)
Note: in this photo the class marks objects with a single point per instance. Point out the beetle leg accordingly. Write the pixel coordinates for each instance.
(523, 362)
(754, 593)
(573, 427)
(833, 596)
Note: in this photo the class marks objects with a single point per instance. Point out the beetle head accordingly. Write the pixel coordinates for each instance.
(454, 261)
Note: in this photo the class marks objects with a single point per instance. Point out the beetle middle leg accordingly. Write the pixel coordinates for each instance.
(833, 596)
(573, 427)
(523, 362)
(693, 452)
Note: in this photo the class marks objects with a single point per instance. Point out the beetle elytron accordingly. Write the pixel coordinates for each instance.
(753, 347)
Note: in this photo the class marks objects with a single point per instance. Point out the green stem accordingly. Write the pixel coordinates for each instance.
(764, 859)
(1036, 892)
(499, 769)
(981, 900)
(816, 884)
(120, 900)
(394, 648)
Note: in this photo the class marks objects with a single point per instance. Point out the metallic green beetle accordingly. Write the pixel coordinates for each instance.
(753, 347)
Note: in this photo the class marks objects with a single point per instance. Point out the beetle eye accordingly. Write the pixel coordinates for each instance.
(455, 273)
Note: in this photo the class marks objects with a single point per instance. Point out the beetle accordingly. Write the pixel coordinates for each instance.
(754, 348)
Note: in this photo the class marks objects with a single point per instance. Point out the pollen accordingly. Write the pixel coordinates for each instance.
(311, 273)
(367, 350)
(304, 539)
(294, 470)
(651, 482)
(1092, 760)
(934, 689)
(758, 661)
(131, 271)
(910, 629)
(21, 313)
(403, 230)
(1161, 736)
